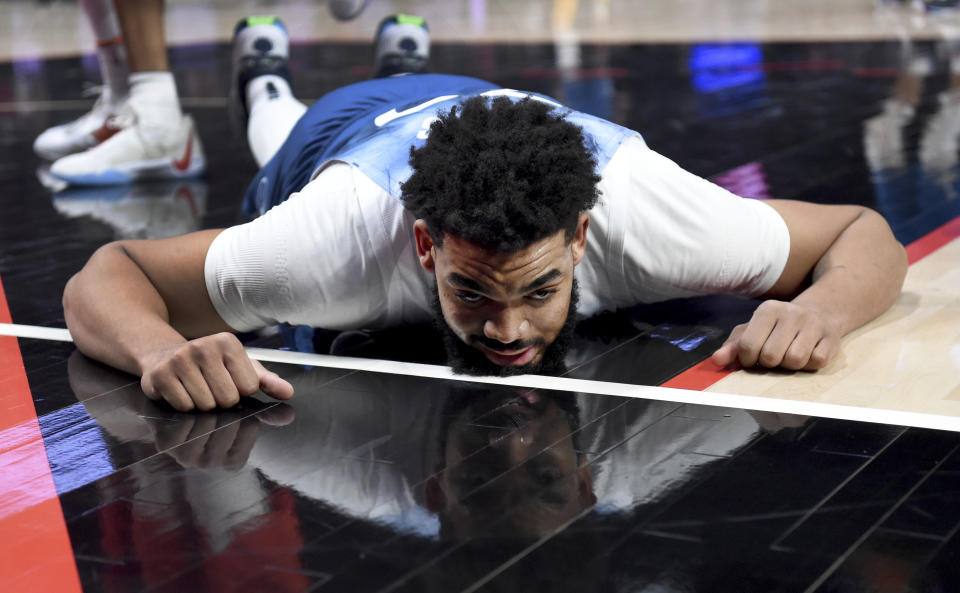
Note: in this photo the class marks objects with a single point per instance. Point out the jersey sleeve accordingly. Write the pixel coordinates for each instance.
(663, 232)
(307, 261)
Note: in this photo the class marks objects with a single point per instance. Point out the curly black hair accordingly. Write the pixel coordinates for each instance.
(501, 174)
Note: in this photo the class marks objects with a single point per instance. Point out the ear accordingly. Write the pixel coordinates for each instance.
(579, 244)
(586, 494)
(435, 498)
(421, 234)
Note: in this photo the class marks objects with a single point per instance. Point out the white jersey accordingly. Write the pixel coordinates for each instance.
(340, 253)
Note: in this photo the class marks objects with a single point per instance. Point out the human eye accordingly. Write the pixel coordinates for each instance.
(470, 298)
(542, 294)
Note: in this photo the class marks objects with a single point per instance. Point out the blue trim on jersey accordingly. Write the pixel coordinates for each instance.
(374, 124)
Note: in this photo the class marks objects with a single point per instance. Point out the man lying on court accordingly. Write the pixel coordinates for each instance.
(509, 214)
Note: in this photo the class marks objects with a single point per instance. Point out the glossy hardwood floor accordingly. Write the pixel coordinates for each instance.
(367, 481)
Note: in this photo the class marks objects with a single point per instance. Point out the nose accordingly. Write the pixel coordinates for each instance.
(508, 325)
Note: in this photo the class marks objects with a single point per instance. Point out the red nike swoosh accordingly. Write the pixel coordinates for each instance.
(184, 163)
(183, 192)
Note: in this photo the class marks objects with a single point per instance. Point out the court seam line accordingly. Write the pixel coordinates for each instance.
(776, 544)
(842, 559)
(686, 396)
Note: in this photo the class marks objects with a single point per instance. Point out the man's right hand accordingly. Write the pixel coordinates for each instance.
(208, 372)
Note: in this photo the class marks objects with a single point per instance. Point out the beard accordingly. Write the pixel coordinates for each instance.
(467, 360)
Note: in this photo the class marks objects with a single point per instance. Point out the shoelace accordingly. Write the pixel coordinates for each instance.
(89, 90)
(102, 92)
(124, 119)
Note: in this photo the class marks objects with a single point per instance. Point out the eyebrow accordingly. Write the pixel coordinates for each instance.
(551, 275)
(466, 282)
(471, 284)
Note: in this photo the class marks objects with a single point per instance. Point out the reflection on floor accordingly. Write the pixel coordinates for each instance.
(369, 482)
(366, 482)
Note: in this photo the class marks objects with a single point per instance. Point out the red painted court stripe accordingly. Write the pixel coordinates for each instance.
(932, 241)
(35, 551)
(698, 377)
(705, 374)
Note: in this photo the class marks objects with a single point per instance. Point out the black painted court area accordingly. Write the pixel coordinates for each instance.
(369, 482)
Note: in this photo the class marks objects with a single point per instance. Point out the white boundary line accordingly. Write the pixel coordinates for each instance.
(35, 331)
(724, 400)
(84, 104)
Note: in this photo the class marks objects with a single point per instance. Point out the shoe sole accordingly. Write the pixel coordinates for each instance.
(155, 170)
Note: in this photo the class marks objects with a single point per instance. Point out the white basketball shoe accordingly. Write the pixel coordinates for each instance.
(77, 135)
(131, 150)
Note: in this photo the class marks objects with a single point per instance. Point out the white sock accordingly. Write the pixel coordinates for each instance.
(273, 112)
(153, 97)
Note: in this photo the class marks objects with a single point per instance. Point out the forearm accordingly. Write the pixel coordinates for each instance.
(859, 276)
(134, 306)
(114, 312)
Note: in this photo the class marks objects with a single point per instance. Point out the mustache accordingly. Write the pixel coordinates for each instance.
(466, 358)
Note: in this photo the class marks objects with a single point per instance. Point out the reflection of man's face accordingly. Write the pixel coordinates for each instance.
(511, 468)
(507, 307)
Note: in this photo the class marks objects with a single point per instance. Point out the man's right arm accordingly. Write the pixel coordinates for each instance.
(143, 307)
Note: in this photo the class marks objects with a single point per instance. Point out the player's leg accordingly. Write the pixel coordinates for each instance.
(332, 120)
(152, 86)
(150, 138)
(261, 93)
(261, 97)
(111, 52)
(80, 134)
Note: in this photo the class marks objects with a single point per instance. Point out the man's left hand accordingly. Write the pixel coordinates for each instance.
(782, 334)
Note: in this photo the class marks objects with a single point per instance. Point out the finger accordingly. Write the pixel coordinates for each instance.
(277, 415)
(174, 433)
(242, 369)
(249, 431)
(148, 388)
(774, 348)
(203, 425)
(221, 384)
(798, 354)
(755, 335)
(188, 454)
(195, 385)
(774, 422)
(824, 352)
(272, 384)
(167, 385)
(218, 445)
(726, 354)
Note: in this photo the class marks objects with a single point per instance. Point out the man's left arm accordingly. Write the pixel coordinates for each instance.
(844, 269)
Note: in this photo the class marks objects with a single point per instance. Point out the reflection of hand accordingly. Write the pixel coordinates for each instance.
(220, 439)
(774, 422)
(796, 337)
(208, 372)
